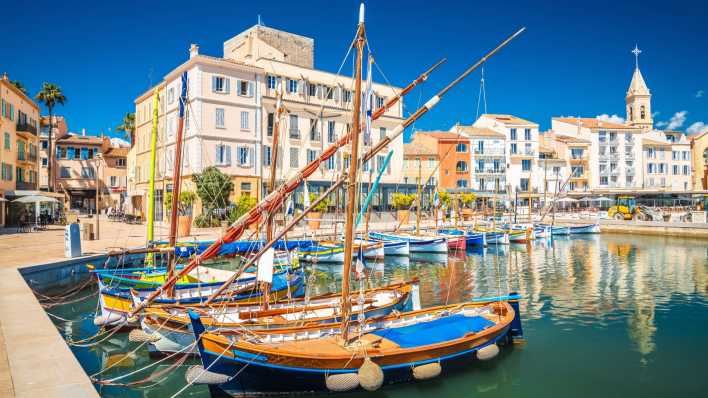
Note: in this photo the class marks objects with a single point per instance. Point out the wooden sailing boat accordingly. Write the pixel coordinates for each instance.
(365, 353)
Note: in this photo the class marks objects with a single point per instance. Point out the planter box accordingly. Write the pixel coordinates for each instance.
(314, 220)
(403, 216)
(184, 225)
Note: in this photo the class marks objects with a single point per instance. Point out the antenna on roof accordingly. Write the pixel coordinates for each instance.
(482, 95)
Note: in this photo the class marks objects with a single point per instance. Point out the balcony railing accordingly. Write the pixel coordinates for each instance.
(32, 157)
(295, 134)
(461, 170)
(29, 186)
(629, 155)
(582, 157)
(629, 172)
(499, 170)
(526, 190)
(26, 127)
(489, 152)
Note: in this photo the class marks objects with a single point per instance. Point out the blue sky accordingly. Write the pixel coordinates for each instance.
(574, 58)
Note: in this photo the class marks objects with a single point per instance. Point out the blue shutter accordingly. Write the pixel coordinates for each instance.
(213, 84)
(227, 87)
(228, 154)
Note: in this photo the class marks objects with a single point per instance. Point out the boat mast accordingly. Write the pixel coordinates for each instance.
(351, 184)
(150, 260)
(176, 180)
(274, 154)
(419, 200)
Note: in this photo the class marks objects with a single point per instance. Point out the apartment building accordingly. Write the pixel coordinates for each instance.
(79, 166)
(555, 163)
(488, 158)
(19, 124)
(521, 150)
(666, 158)
(221, 129)
(615, 151)
(699, 160)
(59, 129)
(114, 178)
(318, 110)
(453, 155)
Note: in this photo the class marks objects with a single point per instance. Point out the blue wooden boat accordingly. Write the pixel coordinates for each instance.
(556, 229)
(472, 238)
(404, 347)
(585, 229)
(187, 249)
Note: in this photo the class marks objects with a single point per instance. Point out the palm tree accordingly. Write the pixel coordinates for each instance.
(51, 95)
(128, 127)
(19, 86)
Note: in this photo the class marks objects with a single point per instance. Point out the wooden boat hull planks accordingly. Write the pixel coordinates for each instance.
(300, 368)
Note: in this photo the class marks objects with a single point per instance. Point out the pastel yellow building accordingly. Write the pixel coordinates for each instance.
(19, 124)
(699, 152)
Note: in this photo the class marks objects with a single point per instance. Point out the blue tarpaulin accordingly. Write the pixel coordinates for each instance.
(436, 331)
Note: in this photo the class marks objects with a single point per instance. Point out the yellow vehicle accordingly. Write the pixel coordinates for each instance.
(626, 209)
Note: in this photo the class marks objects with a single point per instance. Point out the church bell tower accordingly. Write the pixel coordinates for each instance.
(638, 98)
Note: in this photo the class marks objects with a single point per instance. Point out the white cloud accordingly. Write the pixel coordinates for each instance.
(661, 124)
(697, 128)
(700, 93)
(120, 142)
(655, 114)
(610, 119)
(677, 120)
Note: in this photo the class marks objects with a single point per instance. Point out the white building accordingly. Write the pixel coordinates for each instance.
(521, 150)
(667, 161)
(487, 157)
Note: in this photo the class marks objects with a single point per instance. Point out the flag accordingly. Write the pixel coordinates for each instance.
(306, 194)
(360, 263)
(289, 208)
(367, 104)
(436, 199)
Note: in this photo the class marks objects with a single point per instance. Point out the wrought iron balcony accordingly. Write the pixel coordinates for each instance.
(26, 127)
(26, 186)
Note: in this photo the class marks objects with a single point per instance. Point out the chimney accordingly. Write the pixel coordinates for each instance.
(83, 132)
(193, 51)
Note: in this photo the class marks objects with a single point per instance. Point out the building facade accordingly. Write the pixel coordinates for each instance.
(453, 155)
(114, 178)
(487, 157)
(667, 161)
(59, 129)
(521, 152)
(229, 121)
(19, 126)
(699, 160)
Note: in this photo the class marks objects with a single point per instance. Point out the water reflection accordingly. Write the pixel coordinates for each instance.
(614, 294)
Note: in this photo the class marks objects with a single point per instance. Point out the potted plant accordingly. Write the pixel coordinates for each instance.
(243, 205)
(444, 203)
(184, 211)
(467, 200)
(402, 203)
(315, 216)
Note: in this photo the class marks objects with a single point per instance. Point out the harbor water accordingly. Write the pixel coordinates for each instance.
(603, 315)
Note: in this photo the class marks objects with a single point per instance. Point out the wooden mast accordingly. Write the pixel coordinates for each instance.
(351, 183)
(419, 200)
(265, 286)
(150, 260)
(176, 180)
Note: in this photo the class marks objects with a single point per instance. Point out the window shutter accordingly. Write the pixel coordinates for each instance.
(251, 157)
(213, 84)
(227, 87)
(281, 154)
(250, 89)
(336, 93)
(228, 154)
(339, 161)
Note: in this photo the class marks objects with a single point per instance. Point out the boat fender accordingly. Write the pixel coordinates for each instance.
(342, 382)
(110, 319)
(488, 352)
(370, 375)
(197, 375)
(427, 371)
(140, 336)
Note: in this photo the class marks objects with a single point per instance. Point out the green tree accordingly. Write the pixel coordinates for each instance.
(50, 95)
(243, 205)
(128, 127)
(402, 201)
(468, 199)
(213, 188)
(19, 86)
(184, 207)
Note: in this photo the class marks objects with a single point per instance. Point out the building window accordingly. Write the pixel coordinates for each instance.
(525, 164)
(329, 91)
(87, 172)
(527, 134)
(244, 156)
(45, 162)
(642, 112)
(512, 134)
(292, 86)
(6, 172)
(219, 115)
(524, 184)
(379, 102)
(382, 133)
(223, 155)
(329, 164)
(84, 154)
(347, 95)
(314, 133)
(461, 147)
(114, 181)
(267, 155)
(170, 95)
(675, 169)
(294, 130)
(311, 155)
(246, 188)
(513, 148)
(120, 162)
(45, 144)
(244, 88)
(294, 158)
(244, 120)
(8, 142)
(311, 90)
(220, 84)
(330, 131)
(686, 155)
(461, 166)
(270, 122)
(686, 170)
(272, 82)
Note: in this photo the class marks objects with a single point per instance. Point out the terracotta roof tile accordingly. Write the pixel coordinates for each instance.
(510, 119)
(476, 132)
(593, 123)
